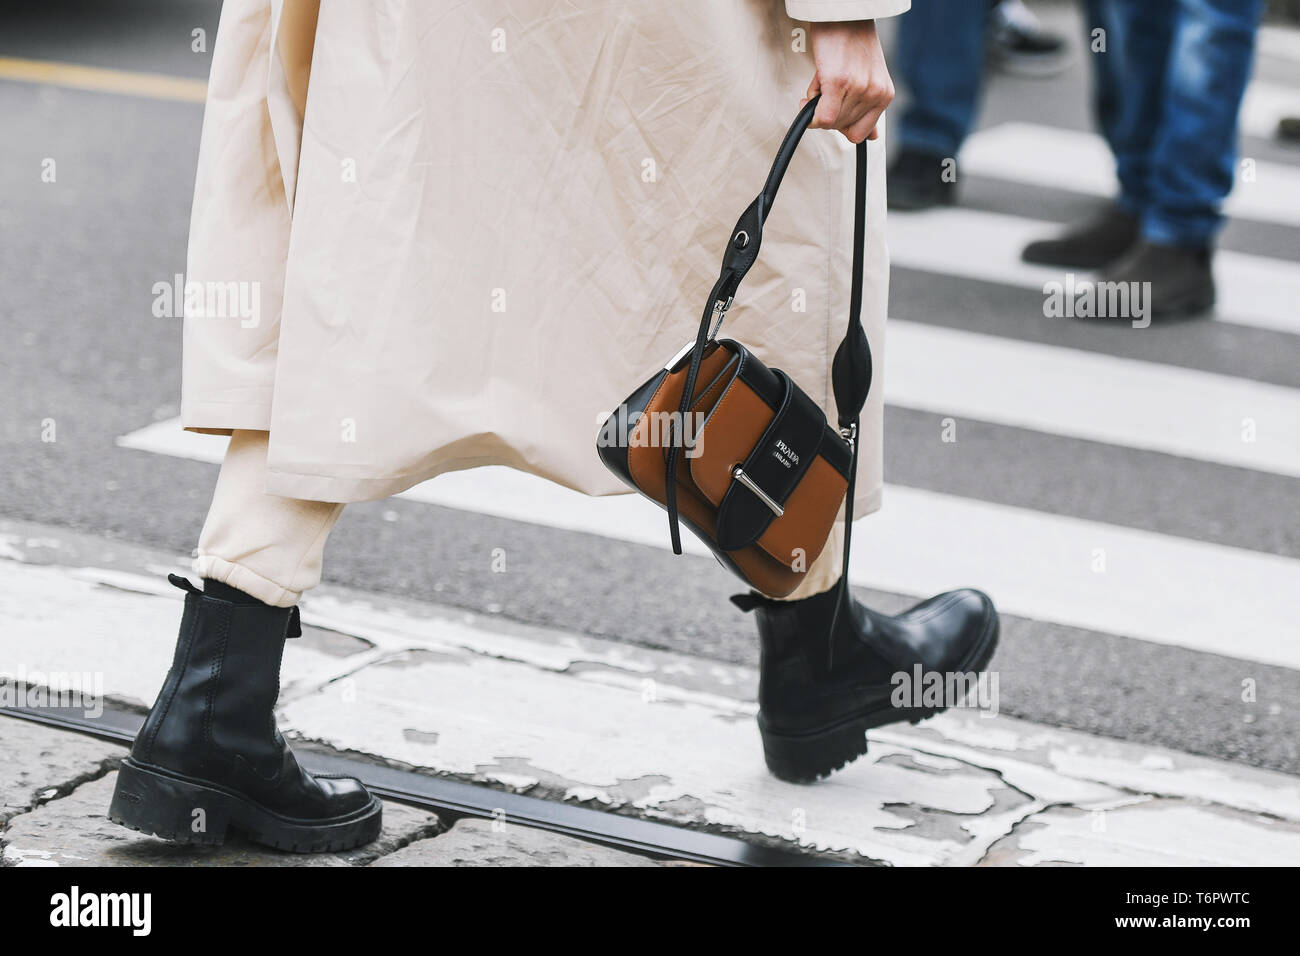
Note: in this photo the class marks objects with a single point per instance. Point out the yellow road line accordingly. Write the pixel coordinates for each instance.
(152, 85)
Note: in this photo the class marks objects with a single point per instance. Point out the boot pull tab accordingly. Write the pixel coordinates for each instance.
(295, 622)
(748, 601)
(183, 583)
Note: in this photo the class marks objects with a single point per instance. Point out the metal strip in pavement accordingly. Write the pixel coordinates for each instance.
(1086, 574)
(1255, 291)
(103, 80)
(453, 799)
(1059, 158)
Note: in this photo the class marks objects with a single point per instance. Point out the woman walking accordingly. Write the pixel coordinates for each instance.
(474, 227)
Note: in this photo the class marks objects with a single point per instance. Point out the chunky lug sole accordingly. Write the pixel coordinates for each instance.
(166, 805)
(809, 756)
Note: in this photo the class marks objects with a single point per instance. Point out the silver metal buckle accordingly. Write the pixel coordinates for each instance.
(719, 313)
(739, 474)
(850, 434)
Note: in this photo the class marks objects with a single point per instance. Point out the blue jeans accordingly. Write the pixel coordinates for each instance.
(1167, 93)
(940, 58)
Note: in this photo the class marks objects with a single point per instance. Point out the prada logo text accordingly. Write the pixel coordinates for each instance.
(785, 454)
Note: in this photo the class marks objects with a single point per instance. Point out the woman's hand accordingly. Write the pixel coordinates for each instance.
(851, 77)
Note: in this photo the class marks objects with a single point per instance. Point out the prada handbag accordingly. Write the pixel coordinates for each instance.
(736, 450)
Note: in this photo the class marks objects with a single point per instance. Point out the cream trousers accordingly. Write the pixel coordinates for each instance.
(272, 547)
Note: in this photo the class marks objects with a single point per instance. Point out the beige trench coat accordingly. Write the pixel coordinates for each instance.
(481, 225)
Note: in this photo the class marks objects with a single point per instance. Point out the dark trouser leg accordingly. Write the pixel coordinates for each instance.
(940, 60)
(1193, 157)
(1129, 86)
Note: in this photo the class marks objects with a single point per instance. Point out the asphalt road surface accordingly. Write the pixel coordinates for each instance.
(79, 258)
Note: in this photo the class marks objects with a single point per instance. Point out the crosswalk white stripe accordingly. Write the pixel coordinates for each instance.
(1281, 42)
(1084, 574)
(1124, 402)
(1120, 401)
(1264, 105)
(1060, 158)
(1255, 291)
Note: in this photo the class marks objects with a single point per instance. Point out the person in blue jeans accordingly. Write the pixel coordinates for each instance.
(1169, 82)
(942, 48)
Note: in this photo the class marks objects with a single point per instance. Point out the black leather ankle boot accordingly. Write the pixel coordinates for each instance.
(209, 758)
(1092, 244)
(917, 180)
(1179, 279)
(819, 692)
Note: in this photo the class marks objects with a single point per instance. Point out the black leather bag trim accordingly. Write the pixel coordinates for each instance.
(765, 384)
(777, 463)
(730, 372)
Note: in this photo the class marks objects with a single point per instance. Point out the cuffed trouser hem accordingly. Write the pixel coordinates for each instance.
(1197, 230)
(267, 546)
(250, 582)
(1176, 234)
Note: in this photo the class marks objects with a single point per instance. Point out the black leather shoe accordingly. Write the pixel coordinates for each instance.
(816, 703)
(209, 759)
(1091, 245)
(916, 181)
(1182, 281)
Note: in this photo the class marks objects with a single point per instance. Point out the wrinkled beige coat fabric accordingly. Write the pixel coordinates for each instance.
(481, 225)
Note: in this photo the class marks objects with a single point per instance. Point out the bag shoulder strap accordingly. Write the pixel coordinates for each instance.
(851, 366)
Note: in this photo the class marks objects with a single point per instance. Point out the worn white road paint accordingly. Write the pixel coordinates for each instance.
(1054, 765)
(510, 723)
(1252, 290)
(78, 621)
(1104, 398)
(1149, 833)
(664, 735)
(1058, 158)
(1035, 565)
(1166, 776)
